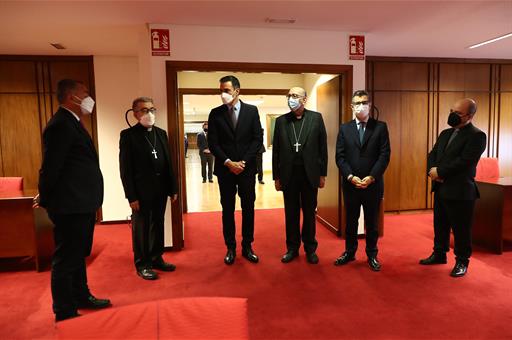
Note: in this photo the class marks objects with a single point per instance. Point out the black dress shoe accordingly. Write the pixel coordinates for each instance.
(459, 270)
(93, 303)
(374, 264)
(344, 259)
(312, 258)
(210, 180)
(289, 256)
(230, 257)
(434, 258)
(248, 253)
(204, 181)
(147, 274)
(160, 264)
(65, 316)
(261, 182)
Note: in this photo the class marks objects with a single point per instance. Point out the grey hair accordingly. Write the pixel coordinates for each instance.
(141, 100)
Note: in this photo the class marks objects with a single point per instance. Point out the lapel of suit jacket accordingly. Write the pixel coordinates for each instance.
(370, 127)
(443, 142)
(165, 144)
(355, 133)
(227, 118)
(289, 128)
(241, 116)
(308, 122)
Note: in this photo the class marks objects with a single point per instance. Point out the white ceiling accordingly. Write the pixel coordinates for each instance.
(393, 28)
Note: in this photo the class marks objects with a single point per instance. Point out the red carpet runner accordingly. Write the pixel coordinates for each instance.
(296, 300)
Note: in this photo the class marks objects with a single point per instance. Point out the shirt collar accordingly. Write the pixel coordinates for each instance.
(74, 114)
(236, 107)
(362, 121)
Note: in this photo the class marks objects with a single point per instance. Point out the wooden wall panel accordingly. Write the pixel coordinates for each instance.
(390, 112)
(17, 76)
(20, 137)
(414, 148)
(414, 77)
(460, 77)
(482, 117)
(505, 135)
(77, 70)
(506, 78)
(386, 76)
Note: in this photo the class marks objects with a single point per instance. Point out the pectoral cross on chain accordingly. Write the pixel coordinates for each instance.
(154, 153)
(297, 144)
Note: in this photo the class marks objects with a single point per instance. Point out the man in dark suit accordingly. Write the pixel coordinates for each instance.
(234, 139)
(71, 190)
(299, 167)
(259, 162)
(148, 179)
(205, 154)
(362, 155)
(452, 168)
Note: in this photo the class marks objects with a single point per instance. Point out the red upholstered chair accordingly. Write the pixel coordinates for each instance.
(11, 183)
(487, 169)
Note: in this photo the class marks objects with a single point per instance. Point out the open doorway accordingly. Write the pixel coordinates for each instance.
(187, 79)
(202, 194)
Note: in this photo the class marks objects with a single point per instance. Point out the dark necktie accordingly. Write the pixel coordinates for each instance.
(361, 132)
(452, 137)
(233, 116)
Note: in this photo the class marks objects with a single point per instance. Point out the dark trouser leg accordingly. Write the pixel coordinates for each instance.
(461, 217)
(442, 225)
(209, 158)
(203, 164)
(156, 228)
(259, 166)
(140, 236)
(291, 195)
(247, 195)
(73, 235)
(353, 203)
(371, 205)
(308, 200)
(227, 188)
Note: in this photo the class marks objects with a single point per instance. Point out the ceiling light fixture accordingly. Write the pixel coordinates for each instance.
(508, 35)
(58, 46)
(279, 21)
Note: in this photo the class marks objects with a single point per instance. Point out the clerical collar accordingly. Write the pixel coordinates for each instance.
(299, 117)
(74, 114)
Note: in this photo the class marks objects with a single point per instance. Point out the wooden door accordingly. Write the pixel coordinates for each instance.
(329, 198)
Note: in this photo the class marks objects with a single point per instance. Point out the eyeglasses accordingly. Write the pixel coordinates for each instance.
(365, 102)
(294, 95)
(146, 110)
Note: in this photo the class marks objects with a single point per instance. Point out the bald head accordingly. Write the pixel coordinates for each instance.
(299, 91)
(466, 106)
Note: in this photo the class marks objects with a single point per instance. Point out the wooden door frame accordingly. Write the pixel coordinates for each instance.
(175, 120)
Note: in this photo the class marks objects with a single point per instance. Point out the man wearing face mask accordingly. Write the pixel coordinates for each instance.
(362, 155)
(71, 190)
(234, 139)
(299, 167)
(148, 179)
(452, 168)
(205, 153)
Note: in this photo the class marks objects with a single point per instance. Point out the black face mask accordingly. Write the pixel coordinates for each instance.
(454, 119)
(205, 130)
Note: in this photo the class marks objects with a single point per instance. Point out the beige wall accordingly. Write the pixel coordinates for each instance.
(116, 81)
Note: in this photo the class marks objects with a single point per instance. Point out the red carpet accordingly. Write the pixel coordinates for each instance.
(296, 300)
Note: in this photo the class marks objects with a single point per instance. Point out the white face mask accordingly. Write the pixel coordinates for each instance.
(361, 111)
(226, 98)
(147, 120)
(294, 103)
(86, 105)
